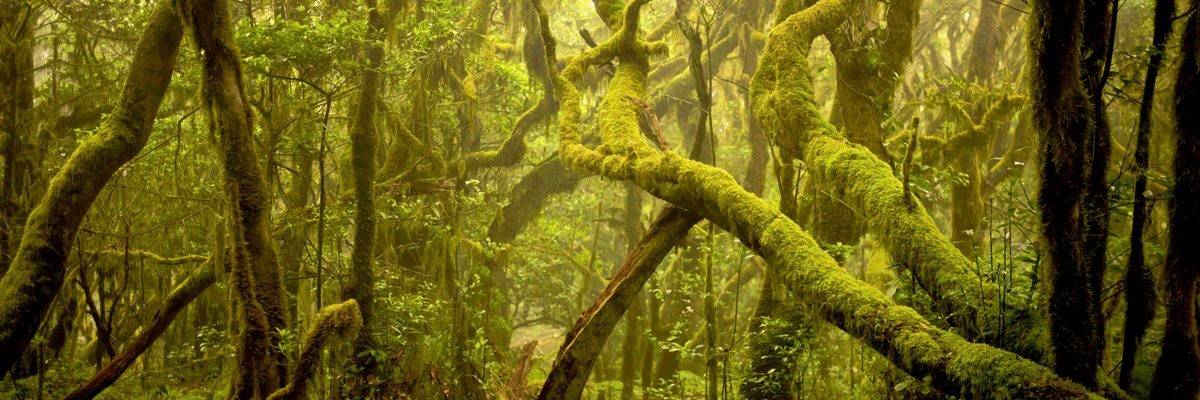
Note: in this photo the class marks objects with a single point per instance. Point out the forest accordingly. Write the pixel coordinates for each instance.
(599, 199)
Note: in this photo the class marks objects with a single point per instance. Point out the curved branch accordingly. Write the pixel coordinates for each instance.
(340, 321)
(191, 288)
(37, 271)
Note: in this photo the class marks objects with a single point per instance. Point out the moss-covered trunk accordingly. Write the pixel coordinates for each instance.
(36, 273)
(778, 327)
(262, 366)
(1074, 161)
(363, 143)
(1177, 375)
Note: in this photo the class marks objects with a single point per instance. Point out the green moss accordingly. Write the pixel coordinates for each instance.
(334, 322)
(37, 269)
(812, 276)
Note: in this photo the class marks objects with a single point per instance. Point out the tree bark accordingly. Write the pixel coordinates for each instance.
(37, 270)
(1177, 375)
(255, 270)
(1074, 154)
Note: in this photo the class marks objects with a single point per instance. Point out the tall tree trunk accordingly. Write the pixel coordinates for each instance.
(17, 20)
(36, 273)
(1140, 297)
(363, 140)
(1073, 197)
(1177, 375)
(255, 269)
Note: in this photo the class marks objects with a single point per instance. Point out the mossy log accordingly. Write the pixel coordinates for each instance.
(37, 270)
(201, 279)
(953, 365)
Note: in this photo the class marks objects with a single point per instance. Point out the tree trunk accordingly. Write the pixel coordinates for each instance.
(255, 269)
(17, 20)
(363, 141)
(1177, 375)
(1075, 154)
(36, 273)
(1141, 301)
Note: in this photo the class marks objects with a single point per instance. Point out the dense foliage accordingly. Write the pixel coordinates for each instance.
(507, 199)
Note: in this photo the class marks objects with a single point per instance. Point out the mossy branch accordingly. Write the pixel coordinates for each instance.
(203, 277)
(337, 322)
(155, 257)
(513, 149)
(784, 103)
(954, 365)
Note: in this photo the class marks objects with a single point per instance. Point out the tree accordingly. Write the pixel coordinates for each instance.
(254, 269)
(36, 273)
(953, 364)
(1067, 38)
(1177, 374)
(1140, 297)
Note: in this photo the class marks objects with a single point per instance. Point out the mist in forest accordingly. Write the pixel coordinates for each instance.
(599, 199)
